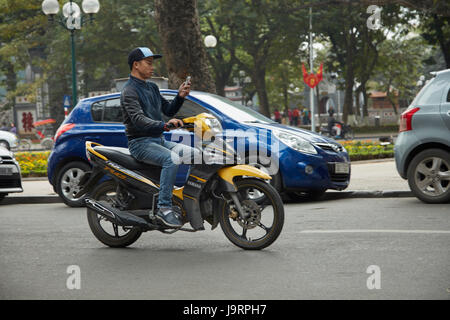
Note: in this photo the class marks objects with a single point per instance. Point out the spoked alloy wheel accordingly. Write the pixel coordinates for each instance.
(70, 182)
(67, 182)
(429, 176)
(264, 222)
(104, 230)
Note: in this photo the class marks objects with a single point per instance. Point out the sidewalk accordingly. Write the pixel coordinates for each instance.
(369, 179)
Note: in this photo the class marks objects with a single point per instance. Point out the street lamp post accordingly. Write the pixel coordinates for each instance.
(210, 42)
(311, 92)
(71, 21)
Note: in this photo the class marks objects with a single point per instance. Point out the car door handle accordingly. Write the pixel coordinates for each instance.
(448, 113)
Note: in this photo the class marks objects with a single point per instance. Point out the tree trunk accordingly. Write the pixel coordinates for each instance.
(260, 85)
(444, 42)
(11, 83)
(390, 98)
(183, 48)
(348, 99)
(358, 104)
(365, 106)
(220, 86)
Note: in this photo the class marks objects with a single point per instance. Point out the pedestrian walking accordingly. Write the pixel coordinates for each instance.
(295, 116)
(306, 117)
(13, 129)
(277, 115)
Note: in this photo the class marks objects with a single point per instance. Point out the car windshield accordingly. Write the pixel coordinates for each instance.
(233, 109)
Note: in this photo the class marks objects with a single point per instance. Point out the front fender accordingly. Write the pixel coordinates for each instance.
(229, 173)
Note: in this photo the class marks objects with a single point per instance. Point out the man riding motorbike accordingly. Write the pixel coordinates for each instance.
(143, 106)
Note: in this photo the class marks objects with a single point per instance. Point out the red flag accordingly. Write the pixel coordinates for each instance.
(311, 79)
(320, 73)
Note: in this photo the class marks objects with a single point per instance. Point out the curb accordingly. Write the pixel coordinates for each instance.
(332, 195)
(356, 162)
(368, 194)
(30, 200)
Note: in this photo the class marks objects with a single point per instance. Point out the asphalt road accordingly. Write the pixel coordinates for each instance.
(325, 251)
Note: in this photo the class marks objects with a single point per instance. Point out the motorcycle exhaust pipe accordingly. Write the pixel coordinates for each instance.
(116, 216)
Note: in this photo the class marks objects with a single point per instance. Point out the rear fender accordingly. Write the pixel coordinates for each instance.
(89, 181)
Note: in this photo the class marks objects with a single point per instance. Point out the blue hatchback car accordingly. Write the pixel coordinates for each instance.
(307, 164)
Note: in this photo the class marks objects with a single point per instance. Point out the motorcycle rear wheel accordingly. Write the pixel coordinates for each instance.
(237, 229)
(100, 227)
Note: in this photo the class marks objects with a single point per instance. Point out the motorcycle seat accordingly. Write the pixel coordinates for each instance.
(123, 157)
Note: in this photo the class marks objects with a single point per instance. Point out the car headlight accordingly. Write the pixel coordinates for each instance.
(295, 142)
(14, 142)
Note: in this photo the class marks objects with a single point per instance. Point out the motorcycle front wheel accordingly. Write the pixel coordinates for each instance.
(265, 219)
(107, 232)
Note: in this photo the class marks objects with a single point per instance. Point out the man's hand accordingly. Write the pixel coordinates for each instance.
(175, 122)
(184, 89)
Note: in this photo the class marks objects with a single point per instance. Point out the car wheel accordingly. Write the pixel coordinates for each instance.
(312, 195)
(429, 176)
(4, 144)
(67, 183)
(255, 195)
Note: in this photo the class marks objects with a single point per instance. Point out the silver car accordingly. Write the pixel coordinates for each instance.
(422, 149)
(10, 177)
(8, 140)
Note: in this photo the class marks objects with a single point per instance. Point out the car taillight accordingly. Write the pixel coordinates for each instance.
(406, 119)
(64, 128)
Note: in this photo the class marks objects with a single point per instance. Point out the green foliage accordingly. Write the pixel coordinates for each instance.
(400, 66)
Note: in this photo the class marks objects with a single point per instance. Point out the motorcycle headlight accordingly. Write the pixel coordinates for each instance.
(214, 124)
(295, 142)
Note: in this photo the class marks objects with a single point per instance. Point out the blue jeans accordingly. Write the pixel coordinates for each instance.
(168, 155)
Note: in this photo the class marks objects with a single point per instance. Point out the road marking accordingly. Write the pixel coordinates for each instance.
(377, 231)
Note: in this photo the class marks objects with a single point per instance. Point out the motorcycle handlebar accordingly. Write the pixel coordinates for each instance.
(184, 126)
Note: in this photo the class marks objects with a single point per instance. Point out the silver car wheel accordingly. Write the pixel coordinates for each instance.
(432, 176)
(4, 144)
(70, 182)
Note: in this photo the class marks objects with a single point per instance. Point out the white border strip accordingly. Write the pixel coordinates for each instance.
(376, 231)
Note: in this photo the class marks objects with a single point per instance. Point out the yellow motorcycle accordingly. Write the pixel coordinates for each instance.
(218, 190)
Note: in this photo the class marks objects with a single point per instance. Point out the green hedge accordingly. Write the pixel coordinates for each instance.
(368, 150)
(391, 128)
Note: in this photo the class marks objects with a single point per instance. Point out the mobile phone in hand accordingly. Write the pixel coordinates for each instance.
(188, 80)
